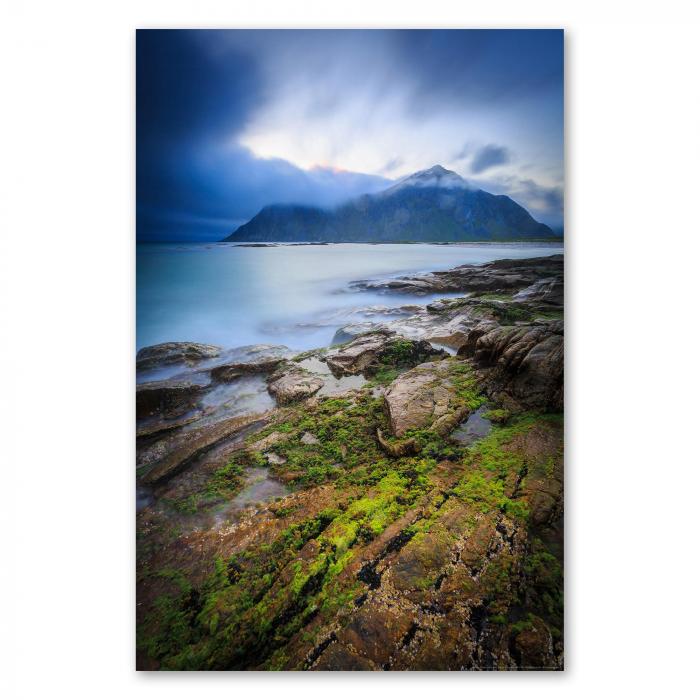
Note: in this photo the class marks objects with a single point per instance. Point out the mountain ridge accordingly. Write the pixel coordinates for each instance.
(432, 205)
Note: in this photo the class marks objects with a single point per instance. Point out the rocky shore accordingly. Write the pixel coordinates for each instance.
(392, 502)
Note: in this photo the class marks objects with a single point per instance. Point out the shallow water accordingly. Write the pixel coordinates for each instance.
(474, 428)
(332, 386)
(292, 295)
(260, 488)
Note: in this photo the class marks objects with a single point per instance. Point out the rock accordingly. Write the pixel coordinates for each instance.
(496, 276)
(375, 630)
(233, 370)
(274, 458)
(157, 424)
(173, 353)
(293, 384)
(367, 352)
(267, 442)
(352, 331)
(534, 646)
(397, 449)
(170, 396)
(424, 397)
(337, 657)
(189, 445)
(309, 439)
(358, 355)
(249, 359)
(527, 362)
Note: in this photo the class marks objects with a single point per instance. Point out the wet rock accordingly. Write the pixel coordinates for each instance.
(358, 355)
(527, 361)
(171, 397)
(189, 445)
(366, 353)
(292, 383)
(250, 359)
(154, 425)
(352, 331)
(497, 276)
(423, 397)
(173, 353)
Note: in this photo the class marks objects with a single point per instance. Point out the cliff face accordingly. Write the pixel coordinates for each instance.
(431, 208)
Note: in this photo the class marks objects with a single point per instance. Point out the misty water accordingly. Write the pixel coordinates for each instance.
(294, 295)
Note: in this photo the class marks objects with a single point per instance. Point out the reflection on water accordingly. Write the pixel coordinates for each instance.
(259, 488)
(475, 427)
(332, 386)
(293, 295)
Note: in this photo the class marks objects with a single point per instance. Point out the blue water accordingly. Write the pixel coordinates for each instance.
(290, 295)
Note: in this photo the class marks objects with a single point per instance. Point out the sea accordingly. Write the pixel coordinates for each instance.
(294, 295)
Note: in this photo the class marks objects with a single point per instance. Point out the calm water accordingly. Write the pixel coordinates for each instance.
(291, 295)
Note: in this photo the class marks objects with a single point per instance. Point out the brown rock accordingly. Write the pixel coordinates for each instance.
(339, 658)
(293, 384)
(195, 442)
(422, 397)
(527, 361)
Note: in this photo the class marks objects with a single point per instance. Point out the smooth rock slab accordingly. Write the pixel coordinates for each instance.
(192, 444)
(173, 353)
(170, 396)
(422, 397)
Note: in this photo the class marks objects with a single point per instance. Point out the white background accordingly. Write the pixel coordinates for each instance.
(67, 255)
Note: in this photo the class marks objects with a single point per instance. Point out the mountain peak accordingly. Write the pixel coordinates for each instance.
(437, 176)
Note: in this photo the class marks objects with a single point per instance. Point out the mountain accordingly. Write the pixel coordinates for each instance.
(430, 205)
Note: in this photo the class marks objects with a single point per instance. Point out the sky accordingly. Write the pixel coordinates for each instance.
(228, 121)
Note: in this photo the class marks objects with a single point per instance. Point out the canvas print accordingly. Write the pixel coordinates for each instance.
(350, 350)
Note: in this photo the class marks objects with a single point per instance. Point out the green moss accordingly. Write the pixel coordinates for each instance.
(488, 495)
(497, 415)
(255, 601)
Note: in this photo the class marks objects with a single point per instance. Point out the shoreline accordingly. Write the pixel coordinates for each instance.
(377, 504)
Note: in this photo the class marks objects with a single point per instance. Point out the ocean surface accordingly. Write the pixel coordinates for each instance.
(294, 295)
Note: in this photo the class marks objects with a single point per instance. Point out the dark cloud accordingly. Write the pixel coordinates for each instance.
(482, 66)
(488, 157)
(197, 91)
(192, 180)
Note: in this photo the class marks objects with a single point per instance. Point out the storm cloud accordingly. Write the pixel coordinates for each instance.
(229, 121)
(488, 157)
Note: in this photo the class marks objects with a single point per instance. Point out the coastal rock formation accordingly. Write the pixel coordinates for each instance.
(185, 447)
(291, 383)
(367, 353)
(425, 396)
(526, 361)
(250, 359)
(346, 528)
(174, 353)
(405, 564)
(496, 276)
(170, 397)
